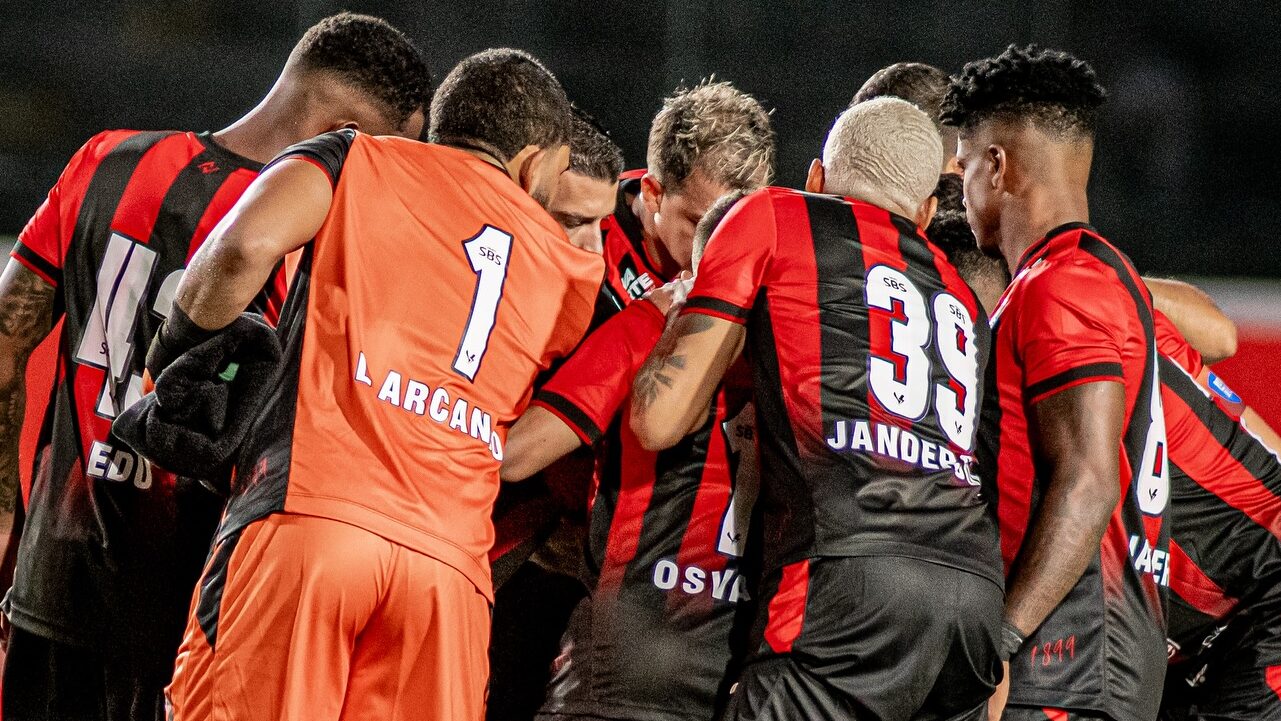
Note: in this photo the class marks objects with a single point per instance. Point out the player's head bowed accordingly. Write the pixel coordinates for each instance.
(368, 54)
(1050, 88)
(714, 128)
(591, 152)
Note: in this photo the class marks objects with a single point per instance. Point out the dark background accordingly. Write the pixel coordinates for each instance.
(1184, 175)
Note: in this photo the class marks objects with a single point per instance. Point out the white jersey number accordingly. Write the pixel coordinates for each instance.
(488, 253)
(901, 381)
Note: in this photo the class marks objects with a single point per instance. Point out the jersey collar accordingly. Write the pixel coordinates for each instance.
(1035, 249)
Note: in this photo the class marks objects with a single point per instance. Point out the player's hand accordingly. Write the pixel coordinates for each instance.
(996, 704)
(671, 297)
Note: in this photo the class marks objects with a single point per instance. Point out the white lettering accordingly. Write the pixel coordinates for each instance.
(122, 464)
(862, 437)
(695, 580)
(839, 437)
(721, 582)
(439, 400)
(480, 424)
(362, 370)
(910, 447)
(928, 460)
(496, 446)
(390, 391)
(665, 575)
(458, 420)
(99, 455)
(416, 397)
(887, 440)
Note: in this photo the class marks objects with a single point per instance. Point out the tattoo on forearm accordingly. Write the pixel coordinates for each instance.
(26, 315)
(658, 371)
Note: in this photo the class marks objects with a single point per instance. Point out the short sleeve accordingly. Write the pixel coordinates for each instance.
(734, 262)
(1071, 329)
(1171, 344)
(327, 152)
(591, 386)
(41, 245)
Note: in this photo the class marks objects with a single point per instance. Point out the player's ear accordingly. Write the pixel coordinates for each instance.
(523, 166)
(651, 193)
(815, 179)
(998, 163)
(925, 213)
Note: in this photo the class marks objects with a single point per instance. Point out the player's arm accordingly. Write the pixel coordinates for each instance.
(585, 394)
(26, 316)
(1201, 322)
(279, 212)
(672, 391)
(1076, 434)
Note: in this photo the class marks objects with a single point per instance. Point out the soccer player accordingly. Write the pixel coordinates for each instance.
(705, 142)
(865, 346)
(924, 86)
(349, 576)
(112, 545)
(653, 638)
(532, 601)
(1081, 474)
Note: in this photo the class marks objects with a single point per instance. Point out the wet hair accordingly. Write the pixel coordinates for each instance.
(1049, 88)
(922, 85)
(501, 101)
(368, 53)
(717, 129)
(710, 220)
(591, 152)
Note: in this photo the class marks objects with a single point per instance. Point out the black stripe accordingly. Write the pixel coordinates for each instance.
(1226, 430)
(1039, 245)
(721, 307)
(329, 151)
(571, 413)
(844, 328)
(212, 584)
(1089, 370)
(42, 265)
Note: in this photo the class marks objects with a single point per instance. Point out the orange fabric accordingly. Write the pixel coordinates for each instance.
(323, 620)
(389, 435)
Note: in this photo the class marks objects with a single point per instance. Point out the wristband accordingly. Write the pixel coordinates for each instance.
(177, 335)
(1011, 640)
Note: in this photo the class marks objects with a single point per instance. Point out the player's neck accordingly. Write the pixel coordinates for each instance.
(1043, 210)
(286, 116)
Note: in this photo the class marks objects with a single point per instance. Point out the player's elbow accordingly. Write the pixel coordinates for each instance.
(1223, 344)
(652, 434)
(514, 468)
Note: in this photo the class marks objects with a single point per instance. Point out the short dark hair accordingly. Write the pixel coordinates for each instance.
(591, 152)
(370, 54)
(951, 232)
(1050, 88)
(501, 100)
(923, 85)
(950, 193)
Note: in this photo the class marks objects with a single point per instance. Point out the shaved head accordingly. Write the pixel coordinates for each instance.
(886, 152)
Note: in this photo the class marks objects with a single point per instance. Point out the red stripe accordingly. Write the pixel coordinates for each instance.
(702, 534)
(1055, 714)
(1014, 471)
(796, 326)
(1273, 676)
(225, 197)
(1192, 585)
(787, 607)
(636, 489)
(1195, 450)
(33, 268)
(136, 214)
(686, 310)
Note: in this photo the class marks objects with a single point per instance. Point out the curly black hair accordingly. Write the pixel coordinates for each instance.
(922, 85)
(950, 193)
(500, 100)
(1051, 88)
(591, 152)
(370, 54)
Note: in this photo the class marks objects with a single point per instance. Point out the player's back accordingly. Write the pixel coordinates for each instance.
(421, 312)
(866, 346)
(102, 529)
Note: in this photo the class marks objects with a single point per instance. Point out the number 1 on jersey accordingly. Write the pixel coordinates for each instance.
(488, 253)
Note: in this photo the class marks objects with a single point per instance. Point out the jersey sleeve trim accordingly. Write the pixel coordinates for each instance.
(1074, 377)
(573, 416)
(37, 264)
(717, 308)
(327, 152)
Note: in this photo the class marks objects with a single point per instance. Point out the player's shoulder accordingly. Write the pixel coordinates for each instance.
(105, 142)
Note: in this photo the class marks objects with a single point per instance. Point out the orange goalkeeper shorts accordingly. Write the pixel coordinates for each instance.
(299, 617)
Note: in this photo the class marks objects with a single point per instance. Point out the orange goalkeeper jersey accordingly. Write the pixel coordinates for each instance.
(417, 320)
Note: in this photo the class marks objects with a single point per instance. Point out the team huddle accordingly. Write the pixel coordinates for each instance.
(393, 401)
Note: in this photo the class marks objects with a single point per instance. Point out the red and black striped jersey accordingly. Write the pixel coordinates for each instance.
(1225, 508)
(100, 563)
(630, 272)
(1076, 312)
(865, 345)
(667, 529)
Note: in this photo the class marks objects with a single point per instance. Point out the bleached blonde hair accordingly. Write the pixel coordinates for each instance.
(884, 151)
(715, 128)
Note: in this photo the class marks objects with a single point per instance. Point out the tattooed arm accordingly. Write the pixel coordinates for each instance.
(26, 315)
(673, 389)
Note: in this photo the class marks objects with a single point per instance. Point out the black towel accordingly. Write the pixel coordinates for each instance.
(205, 402)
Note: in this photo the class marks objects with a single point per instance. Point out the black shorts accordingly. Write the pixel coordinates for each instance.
(1237, 678)
(48, 681)
(887, 638)
(1037, 713)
